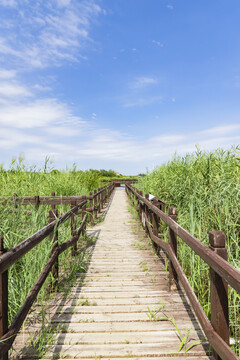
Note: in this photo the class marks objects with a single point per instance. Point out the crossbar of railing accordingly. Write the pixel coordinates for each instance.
(215, 340)
(11, 256)
(47, 200)
(21, 316)
(230, 274)
(14, 254)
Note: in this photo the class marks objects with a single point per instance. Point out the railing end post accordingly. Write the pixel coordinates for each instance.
(3, 300)
(219, 291)
(53, 214)
(217, 239)
(172, 213)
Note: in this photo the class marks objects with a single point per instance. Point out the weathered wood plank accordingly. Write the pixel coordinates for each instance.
(105, 315)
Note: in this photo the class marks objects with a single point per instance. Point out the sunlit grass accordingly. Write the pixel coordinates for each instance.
(205, 188)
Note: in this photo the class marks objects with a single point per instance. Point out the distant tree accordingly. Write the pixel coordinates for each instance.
(107, 173)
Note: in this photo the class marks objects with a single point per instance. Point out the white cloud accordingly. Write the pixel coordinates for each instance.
(13, 90)
(170, 7)
(158, 43)
(13, 138)
(62, 131)
(7, 74)
(36, 114)
(43, 34)
(143, 81)
(48, 127)
(168, 139)
(42, 88)
(58, 136)
(8, 3)
(222, 130)
(62, 3)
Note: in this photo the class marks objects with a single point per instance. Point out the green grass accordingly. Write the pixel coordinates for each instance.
(205, 188)
(28, 180)
(15, 226)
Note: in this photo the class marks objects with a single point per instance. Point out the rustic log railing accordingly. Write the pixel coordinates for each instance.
(9, 257)
(221, 272)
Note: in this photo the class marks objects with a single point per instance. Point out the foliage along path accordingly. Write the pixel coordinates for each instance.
(112, 312)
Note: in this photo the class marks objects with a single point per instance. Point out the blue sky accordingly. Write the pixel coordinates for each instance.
(120, 84)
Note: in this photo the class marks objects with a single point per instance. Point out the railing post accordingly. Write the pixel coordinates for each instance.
(3, 300)
(146, 211)
(91, 207)
(95, 204)
(219, 291)
(36, 202)
(172, 213)
(99, 201)
(140, 206)
(83, 214)
(53, 214)
(155, 222)
(102, 198)
(73, 228)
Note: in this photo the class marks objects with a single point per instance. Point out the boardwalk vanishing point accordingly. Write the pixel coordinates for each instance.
(123, 308)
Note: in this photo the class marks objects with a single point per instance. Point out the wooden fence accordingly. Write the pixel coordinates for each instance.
(221, 275)
(9, 257)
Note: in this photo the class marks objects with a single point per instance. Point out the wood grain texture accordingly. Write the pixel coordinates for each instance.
(105, 315)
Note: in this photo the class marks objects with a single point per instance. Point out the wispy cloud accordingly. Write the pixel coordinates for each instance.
(158, 43)
(170, 7)
(222, 130)
(13, 90)
(59, 136)
(8, 3)
(44, 112)
(143, 81)
(44, 33)
(7, 74)
(168, 139)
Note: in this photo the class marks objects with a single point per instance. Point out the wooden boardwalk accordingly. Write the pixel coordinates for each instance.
(106, 314)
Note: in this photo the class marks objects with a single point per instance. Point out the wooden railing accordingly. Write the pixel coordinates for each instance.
(9, 257)
(222, 273)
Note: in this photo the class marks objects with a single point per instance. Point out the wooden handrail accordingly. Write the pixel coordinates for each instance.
(228, 272)
(47, 200)
(14, 254)
(9, 257)
(225, 270)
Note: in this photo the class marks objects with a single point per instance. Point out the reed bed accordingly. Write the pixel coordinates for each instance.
(205, 188)
(15, 226)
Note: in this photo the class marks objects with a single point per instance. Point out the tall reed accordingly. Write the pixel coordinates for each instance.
(205, 187)
(15, 226)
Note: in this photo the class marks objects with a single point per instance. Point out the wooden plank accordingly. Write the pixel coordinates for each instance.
(105, 315)
(114, 350)
(140, 337)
